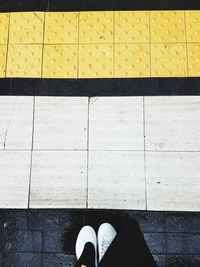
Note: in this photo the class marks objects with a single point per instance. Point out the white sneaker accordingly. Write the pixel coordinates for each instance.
(86, 234)
(105, 236)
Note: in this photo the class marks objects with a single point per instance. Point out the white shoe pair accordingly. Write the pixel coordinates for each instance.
(102, 240)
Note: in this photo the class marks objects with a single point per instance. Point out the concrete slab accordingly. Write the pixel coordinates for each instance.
(59, 179)
(172, 123)
(61, 123)
(116, 123)
(14, 179)
(116, 180)
(173, 181)
(16, 122)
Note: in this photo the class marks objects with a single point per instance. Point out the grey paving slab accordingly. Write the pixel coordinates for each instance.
(22, 241)
(55, 220)
(116, 179)
(57, 260)
(147, 221)
(53, 241)
(155, 242)
(116, 123)
(60, 123)
(16, 122)
(14, 178)
(182, 260)
(183, 222)
(172, 123)
(179, 243)
(173, 181)
(59, 179)
(21, 259)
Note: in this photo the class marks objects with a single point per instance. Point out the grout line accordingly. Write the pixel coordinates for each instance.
(103, 150)
(42, 61)
(8, 41)
(29, 193)
(165, 237)
(144, 133)
(172, 151)
(122, 43)
(186, 44)
(78, 48)
(150, 74)
(11, 85)
(42, 252)
(72, 253)
(113, 44)
(88, 125)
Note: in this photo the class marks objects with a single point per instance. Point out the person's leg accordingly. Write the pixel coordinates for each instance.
(87, 257)
(128, 249)
(86, 247)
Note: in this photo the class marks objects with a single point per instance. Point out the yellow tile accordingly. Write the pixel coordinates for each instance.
(61, 27)
(193, 25)
(60, 61)
(168, 60)
(131, 27)
(194, 59)
(3, 50)
(132, 60)
(4, 22)
(24, 61)
(26, 27)
(96, 61)
(96, 27)
(167, 26)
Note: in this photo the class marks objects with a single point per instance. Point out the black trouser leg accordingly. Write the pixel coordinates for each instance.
(88, 256)
(128, 249)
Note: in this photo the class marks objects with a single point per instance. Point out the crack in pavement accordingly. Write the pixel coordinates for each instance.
(6, 133)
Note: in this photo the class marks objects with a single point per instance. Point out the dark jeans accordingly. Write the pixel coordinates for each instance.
(128, 249)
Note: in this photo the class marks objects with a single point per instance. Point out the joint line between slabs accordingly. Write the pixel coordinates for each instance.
(42, 59)
(186, 44)
(150, 71)
(113, 44)
(30, 177)
(7, 46)
(144, 133)
(88, 125)
(78, 61)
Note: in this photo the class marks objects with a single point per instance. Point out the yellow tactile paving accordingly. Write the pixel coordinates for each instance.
(26, 27)
(96, 61)
(167, 26)
(61, 28)
(4, 23)
(60, 61)
(100, 44)
(193, 25)
(24, 61)
(96, 27)
(132, 60)
(194, 59)
(131, 27)
(168, 60)
(3, 49)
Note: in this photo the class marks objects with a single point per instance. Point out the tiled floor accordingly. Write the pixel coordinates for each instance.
(117, 152)
(46, 238)
(100, 44)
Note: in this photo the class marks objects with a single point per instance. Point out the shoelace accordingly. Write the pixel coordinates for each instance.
(104, 246)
